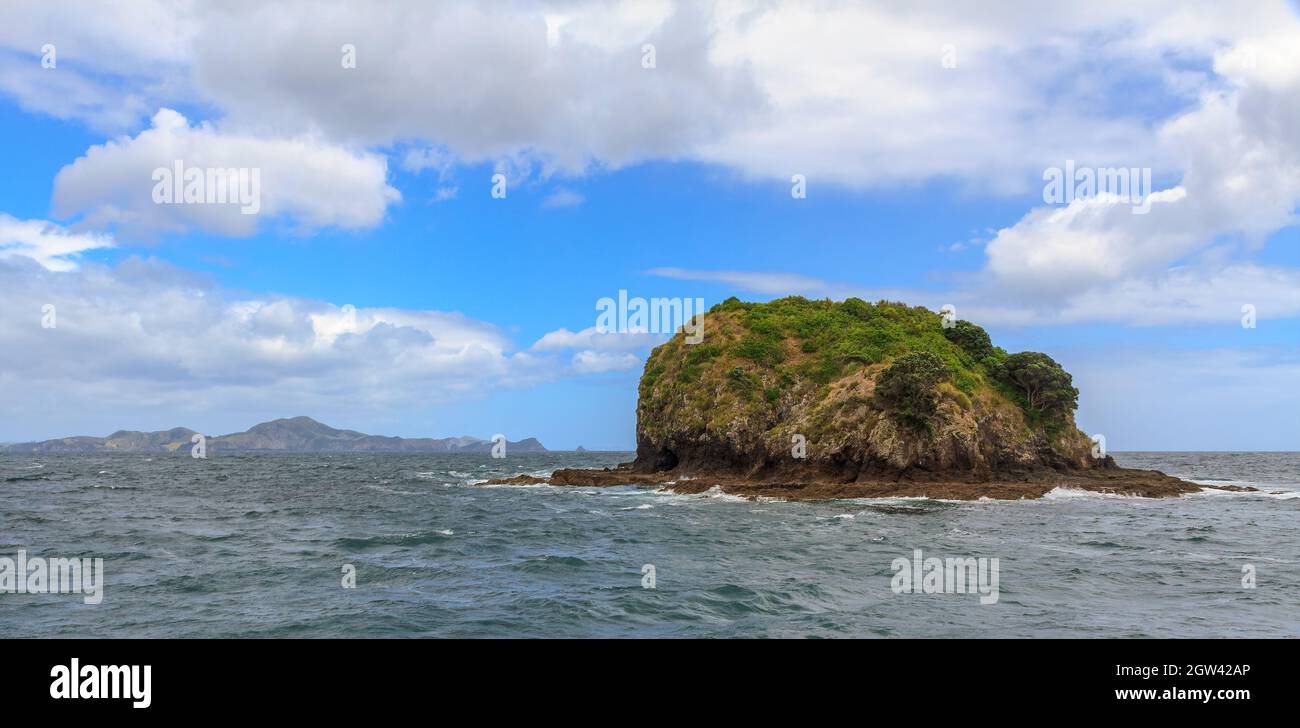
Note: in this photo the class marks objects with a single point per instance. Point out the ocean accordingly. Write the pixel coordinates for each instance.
(260, 545)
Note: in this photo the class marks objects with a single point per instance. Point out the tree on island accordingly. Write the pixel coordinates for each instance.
(1046, 387)
(971, 338)
(907, 387)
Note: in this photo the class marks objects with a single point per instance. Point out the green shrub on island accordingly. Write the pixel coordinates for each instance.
(908, 387)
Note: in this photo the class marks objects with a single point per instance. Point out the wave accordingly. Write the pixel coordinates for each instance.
(717, 492)
(483, 483)
(391, 491)
(33, 476)
(549, 563)
(1062, 492)
(714, 493)
(396, 539)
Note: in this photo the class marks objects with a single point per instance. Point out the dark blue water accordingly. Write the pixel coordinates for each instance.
(254, 546)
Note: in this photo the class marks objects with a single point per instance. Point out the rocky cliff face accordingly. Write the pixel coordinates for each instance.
(773, 382)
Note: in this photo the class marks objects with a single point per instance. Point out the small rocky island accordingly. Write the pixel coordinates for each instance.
(815, 399)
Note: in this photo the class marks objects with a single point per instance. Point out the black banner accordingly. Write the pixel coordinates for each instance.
(229, 678)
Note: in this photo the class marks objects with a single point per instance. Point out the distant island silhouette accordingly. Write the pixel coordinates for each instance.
(294, 434)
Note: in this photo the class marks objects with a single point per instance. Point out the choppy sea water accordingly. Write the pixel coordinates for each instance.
(253, 545)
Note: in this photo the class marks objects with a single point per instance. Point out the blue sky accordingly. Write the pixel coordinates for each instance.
(924, 183)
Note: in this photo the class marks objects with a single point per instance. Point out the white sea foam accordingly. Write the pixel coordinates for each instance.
(1062, 492)
(716, 492)
(664, 495)
(899, 499)
(483, 482)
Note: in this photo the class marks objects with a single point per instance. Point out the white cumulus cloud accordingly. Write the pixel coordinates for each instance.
(842, 92)
(51, 245)
(307, 181)
(590, 338)
(144, 336)
(596, 362)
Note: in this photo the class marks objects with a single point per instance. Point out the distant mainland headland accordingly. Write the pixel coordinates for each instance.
(295, 434)
(812, 399)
